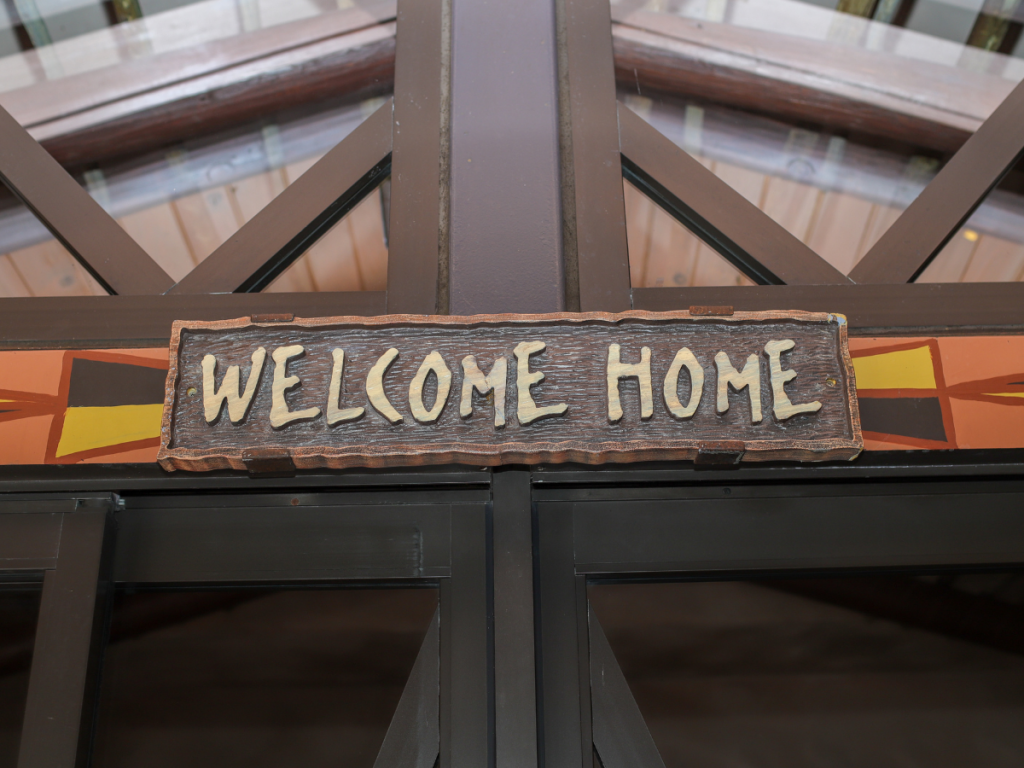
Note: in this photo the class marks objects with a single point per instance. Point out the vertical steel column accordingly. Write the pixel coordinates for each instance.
(505, 210)
(59, 710)
(414, 242)
(466, 646)
(506, 256)
(514, 672)
(564, 644)
(592, 141)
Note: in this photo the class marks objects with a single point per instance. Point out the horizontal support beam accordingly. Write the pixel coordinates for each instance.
(131, 321)
(561, 481)
(944, 308)
(78, 322)
(746, 236)
(254, 540)
(448, 482)
(130, 108)
(791, 528)
(618, 481)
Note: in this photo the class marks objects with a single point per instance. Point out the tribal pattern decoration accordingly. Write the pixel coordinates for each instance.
(71, 406)
(940, 393)
(104, 406)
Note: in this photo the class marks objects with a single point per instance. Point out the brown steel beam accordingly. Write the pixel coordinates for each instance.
(591, 160)
(75, 219)
(746, 236)
(415, 246)
(505, 210)
(947, 308)
(82, 321)
(917, 236)
(301, 214)
(78, 322)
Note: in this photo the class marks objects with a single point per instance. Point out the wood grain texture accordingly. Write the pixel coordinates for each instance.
(574, 364)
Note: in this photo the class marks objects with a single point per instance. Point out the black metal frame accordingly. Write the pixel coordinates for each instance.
(721, 525)
(518, 672)
(85, 546)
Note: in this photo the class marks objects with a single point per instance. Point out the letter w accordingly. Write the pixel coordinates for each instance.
(238, 404)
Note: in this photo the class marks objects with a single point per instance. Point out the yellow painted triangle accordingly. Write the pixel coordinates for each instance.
(86, 429)
(906, 369)
(1004, 394)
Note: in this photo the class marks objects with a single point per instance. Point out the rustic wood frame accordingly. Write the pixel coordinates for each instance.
(418, 454)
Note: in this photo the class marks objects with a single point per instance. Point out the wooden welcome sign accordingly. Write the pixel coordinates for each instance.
(501, 389)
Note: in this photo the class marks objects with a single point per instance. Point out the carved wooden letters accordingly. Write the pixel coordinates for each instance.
(345, 392)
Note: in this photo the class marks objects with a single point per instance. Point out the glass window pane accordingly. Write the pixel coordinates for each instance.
(852, 671)
(45, 40)
(835, 194)
(665, 254)
(256, 677)
(181, 204)
(989, 247)
(19, 612)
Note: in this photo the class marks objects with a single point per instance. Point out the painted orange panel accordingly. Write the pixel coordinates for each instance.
(987, 425)
(23, 441)
(858, 344)
(971, 358)
(888, 445)
(978, 424)
(32, 371)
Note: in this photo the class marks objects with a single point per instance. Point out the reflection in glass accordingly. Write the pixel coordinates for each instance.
(19, 612)
(880, 671)
(665, 254)
(835, 195)
(351, 256)
(42, 40)
(255, 677)
(989, 248)
(181, 205)
(974, 36)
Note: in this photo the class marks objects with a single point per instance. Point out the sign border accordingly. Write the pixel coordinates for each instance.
(567, 451)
